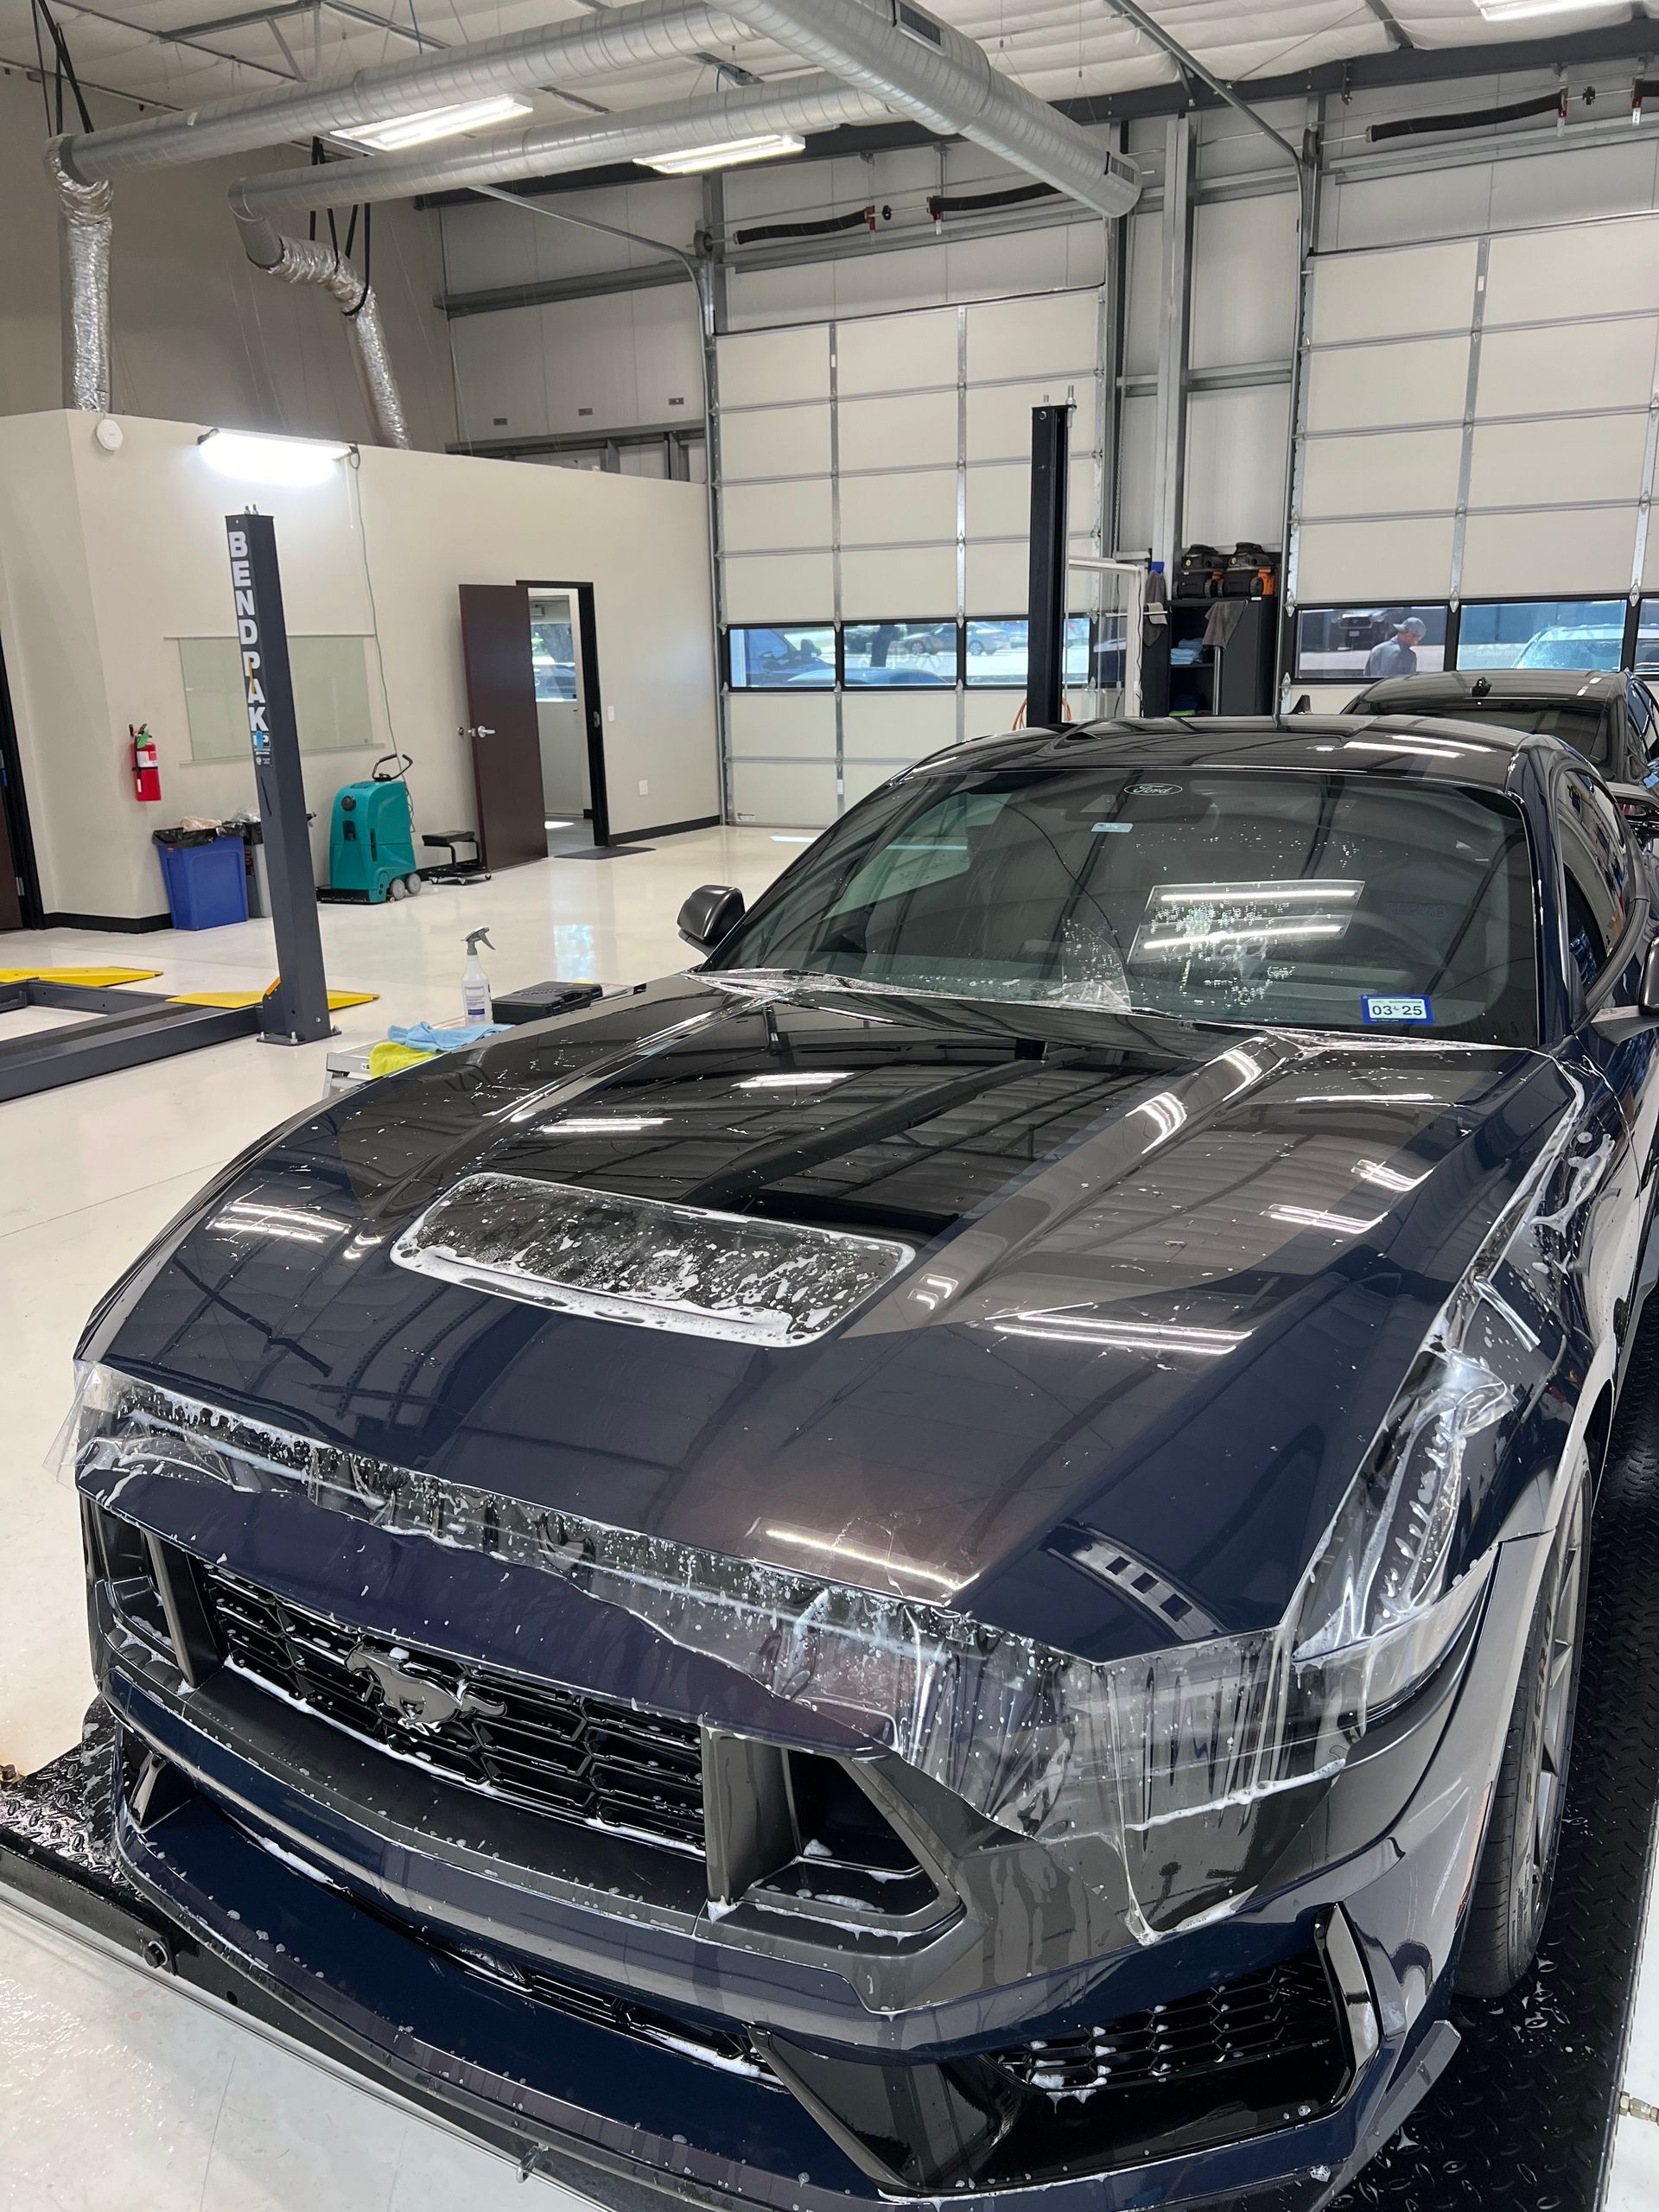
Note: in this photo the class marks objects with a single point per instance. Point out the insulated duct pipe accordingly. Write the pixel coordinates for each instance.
(84, 225)
(309, 261)
(656, 30)
(802, 103)
(921, 67)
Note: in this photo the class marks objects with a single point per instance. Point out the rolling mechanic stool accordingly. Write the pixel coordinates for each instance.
(454, 869)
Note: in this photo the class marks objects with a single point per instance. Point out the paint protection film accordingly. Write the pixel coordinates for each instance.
(1172, 1758)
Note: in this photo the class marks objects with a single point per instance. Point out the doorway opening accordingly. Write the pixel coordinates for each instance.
(571, 714)
(20, 884)
(561, 719)
(530, 650)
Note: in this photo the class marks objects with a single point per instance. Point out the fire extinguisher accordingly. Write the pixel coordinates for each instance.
(146, 763)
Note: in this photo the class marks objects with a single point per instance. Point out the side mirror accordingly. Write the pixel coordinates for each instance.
(712, 911)
(1640, 808)
(1647, 999)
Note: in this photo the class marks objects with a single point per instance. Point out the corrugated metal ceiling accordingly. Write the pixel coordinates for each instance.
(176, 51)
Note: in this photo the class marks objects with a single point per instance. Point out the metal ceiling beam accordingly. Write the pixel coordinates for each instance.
(1385, 16)
(1193, 70)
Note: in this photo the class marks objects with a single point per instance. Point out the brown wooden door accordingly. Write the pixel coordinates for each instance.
(501, 708)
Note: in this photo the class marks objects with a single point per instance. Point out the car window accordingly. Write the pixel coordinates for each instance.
(1581, 723)
(1644, 716)
(1331, 900)
(1596, 859)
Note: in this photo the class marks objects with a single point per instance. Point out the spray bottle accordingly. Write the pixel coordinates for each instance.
(476, 1004)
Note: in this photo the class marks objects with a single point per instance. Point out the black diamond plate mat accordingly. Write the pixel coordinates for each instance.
(1522, 2120)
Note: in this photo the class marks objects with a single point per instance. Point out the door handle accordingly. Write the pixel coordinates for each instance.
(474, 729)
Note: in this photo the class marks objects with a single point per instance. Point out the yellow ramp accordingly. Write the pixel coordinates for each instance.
(337, 1000)
(87, 978)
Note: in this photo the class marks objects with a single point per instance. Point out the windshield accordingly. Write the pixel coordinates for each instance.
(1329, 902)
(1580, 723)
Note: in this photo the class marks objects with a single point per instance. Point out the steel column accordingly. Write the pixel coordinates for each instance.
(1051, 445)
(1169, 437)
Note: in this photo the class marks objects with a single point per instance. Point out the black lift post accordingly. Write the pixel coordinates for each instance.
(297, 1012)
(123, 1028)
(1051, 440)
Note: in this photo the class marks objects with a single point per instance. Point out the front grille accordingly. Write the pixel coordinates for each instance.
(1285, 2013)
(715, 2043)
(563, 1752)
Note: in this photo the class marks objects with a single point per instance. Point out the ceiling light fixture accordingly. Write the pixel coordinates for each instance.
(1519, 12)
(255, 459)
(766, 146)
(430, 122)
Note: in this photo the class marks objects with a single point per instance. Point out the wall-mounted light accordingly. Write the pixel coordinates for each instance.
(766, 146)
(427, 123)
(252, 459)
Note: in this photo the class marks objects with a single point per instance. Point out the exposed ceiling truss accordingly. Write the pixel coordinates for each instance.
(172, 53)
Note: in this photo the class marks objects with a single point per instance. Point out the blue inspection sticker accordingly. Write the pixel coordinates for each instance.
(1398, 1008)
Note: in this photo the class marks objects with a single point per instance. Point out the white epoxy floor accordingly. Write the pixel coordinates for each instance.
(118, 2093)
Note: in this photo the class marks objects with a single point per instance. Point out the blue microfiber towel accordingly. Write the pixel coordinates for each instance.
(424, 1036)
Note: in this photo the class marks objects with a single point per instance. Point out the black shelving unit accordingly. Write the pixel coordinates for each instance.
(1180, 675)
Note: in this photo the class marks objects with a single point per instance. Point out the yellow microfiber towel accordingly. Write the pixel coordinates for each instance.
(385, 1057)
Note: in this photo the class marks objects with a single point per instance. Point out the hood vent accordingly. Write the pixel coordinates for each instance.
(616, 1258)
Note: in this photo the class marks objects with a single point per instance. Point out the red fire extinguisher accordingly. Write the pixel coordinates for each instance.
(146, 763)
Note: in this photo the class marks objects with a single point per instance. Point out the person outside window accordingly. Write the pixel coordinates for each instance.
(1397, 656)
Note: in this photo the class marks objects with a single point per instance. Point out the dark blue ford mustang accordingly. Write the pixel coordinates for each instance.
(947, 1555)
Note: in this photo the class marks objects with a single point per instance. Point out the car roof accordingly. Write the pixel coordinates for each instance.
(1435, 749)
(1500, 683)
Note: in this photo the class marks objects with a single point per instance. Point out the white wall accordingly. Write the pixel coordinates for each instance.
(196, 330)
(106, 559)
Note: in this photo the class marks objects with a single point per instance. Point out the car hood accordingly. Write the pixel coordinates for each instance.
(1167, 1281)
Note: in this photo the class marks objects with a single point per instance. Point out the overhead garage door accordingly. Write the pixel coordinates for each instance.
(1477, 423)
(877, 471)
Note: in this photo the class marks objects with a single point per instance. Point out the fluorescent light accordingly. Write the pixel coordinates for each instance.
(1122, 1335)
(429, 122)
(1520, 11)
(897, 1568)
(793, 1082)
(256, 460)
(1339, 1224)
(1388, 1179)
(766, 146)
(1253, 895)
(1257, 933)
(597, 1125)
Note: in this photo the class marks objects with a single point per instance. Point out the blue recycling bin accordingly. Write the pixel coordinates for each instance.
(207, 878)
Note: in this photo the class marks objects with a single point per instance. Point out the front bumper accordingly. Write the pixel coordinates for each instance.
(332, 1906)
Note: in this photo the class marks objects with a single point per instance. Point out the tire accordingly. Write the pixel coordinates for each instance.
(1517, 1863)
(396, 888)
(411, 886)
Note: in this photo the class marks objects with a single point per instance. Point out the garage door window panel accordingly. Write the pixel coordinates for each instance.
(784, 658)
(1366, 643)
(1558, 633)
(895, 656)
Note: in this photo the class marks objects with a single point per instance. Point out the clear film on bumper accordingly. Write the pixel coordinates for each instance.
(1045, 1745)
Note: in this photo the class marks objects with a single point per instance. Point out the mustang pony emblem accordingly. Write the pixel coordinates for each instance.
(416, 1700)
